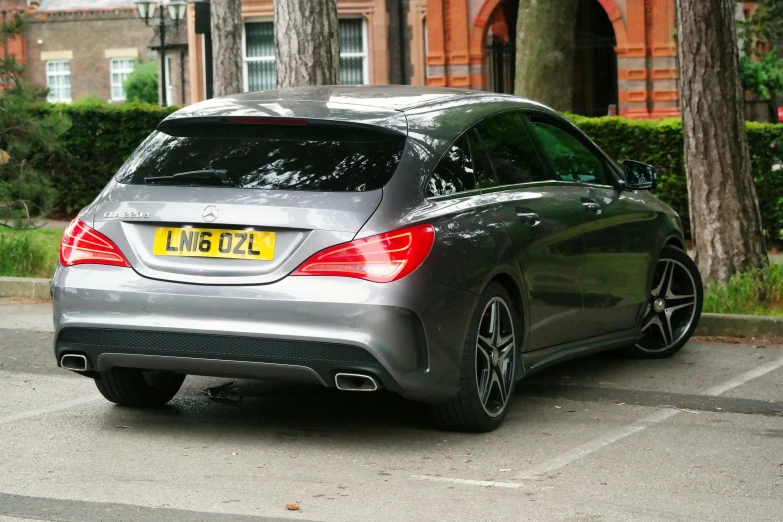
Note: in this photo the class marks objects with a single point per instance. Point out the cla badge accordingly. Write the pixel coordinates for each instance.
(210, 213)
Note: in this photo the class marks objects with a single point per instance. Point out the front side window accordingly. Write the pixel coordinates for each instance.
(58, 80)
(120, 69)
(571, 159)
(454, 172)
(511, 150)
(260, 68)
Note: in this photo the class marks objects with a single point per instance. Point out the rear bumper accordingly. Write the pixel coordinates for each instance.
(408, 334)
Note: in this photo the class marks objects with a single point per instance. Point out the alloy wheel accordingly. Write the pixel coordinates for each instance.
(495, 357)
(671, 309)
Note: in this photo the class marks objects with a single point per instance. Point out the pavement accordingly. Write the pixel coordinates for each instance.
(695, 437)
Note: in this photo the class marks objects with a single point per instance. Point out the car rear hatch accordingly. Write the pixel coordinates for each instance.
(244, 200)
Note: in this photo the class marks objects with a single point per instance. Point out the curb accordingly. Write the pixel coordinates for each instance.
(710, 325)
(724, 325)
(31, 287)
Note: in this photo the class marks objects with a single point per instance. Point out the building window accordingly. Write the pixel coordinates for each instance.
(120, 69)
(169, 82)
(260, 73)
(58, 80)
(259, 59)
(353, 52)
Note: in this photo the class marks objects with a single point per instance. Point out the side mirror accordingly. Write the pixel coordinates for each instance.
(639, 176)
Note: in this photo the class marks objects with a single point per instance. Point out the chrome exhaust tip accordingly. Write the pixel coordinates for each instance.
(75, 362)
(356, 382)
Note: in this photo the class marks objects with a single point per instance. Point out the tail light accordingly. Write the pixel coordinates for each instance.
(82, 245)
(382, 258)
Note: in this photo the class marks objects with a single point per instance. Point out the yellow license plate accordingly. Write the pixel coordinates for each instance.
(214, 242)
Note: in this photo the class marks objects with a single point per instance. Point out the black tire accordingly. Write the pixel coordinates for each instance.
(655, 344)
(467, 412)
(138, 388)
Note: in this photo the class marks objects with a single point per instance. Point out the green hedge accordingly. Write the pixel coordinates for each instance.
(102, 137)
(659, 143)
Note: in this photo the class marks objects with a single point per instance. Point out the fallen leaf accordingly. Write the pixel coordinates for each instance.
(223, 393)
(292, 506)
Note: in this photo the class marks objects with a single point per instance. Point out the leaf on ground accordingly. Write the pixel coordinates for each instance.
(223, 393)
(292, 506)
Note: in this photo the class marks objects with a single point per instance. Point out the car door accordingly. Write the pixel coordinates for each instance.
(619, 232)
(543, 221)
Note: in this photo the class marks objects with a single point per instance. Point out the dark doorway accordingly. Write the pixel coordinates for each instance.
(500, 66)
(595, 64)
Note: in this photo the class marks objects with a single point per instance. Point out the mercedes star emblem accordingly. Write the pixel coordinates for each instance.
(210, 213)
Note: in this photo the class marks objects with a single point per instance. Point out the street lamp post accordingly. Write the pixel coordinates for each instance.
(177, 9)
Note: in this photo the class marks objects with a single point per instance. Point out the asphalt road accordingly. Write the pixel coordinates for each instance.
(695, 437)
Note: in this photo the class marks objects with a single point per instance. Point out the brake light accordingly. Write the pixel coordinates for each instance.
(382, 258)
(83, 245)
(266, 121)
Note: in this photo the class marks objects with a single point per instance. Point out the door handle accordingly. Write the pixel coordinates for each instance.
(590, 206)
(527, 217)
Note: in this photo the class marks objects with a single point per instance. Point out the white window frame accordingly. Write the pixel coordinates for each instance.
(364, 54)
(245, 59)
(112, 61)
(365, 44)
(58, 74)
(168, 61)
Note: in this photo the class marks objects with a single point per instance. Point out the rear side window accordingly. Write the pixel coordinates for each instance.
(511, 150)
(454, 172)
(269, 157)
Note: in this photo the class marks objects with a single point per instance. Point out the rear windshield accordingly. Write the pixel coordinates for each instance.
(270, 157)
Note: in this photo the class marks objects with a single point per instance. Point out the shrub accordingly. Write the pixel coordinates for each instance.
(98, 143)
(22, 256)
(660, 143)
(142, 84)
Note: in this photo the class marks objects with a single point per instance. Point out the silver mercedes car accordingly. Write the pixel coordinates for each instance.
(437, 243)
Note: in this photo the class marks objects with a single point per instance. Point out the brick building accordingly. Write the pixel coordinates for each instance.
(88, 47)
(16, 46)
(626, 49)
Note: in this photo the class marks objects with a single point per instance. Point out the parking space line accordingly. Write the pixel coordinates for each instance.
(47, 409)
(657, 417)
(483, 483)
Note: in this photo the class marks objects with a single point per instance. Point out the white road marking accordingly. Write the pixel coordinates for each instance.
(605, 440)
(48, 409)
(657, 417)
(482, 483)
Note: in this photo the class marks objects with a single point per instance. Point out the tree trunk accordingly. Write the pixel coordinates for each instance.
(227, 28)
(725, 216)
(307, 45)
(545, 51)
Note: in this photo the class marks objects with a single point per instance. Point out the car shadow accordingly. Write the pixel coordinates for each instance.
(285, 412)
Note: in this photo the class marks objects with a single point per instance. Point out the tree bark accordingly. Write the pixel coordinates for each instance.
(226, 18)
(307, 45)
(545, 51)
(725, 216)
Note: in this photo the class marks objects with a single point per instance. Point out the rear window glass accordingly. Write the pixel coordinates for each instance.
(270, 157)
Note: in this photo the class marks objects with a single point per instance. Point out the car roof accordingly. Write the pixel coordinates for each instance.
(404, 108)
